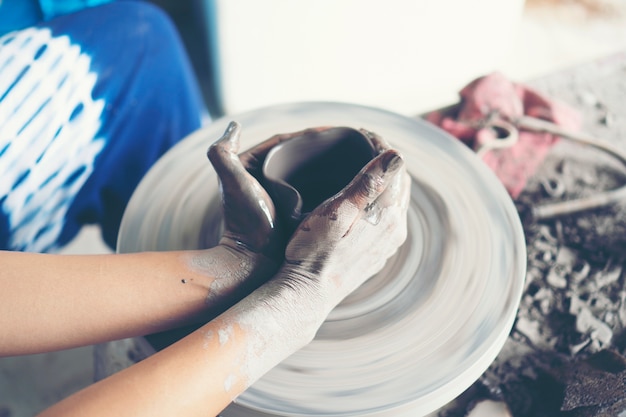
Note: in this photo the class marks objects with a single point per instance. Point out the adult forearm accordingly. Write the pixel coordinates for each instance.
(203, 372)
(53, 302)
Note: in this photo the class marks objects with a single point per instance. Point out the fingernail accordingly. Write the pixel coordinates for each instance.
(366, 132)
(231, 131)
(232, 126)
(391, 162)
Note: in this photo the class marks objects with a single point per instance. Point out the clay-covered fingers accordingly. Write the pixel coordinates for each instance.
(377, 141)
(381, 194)
(239, 189)
(349, 237)
(398, 190)
(249, 214)
(335, 221)
(223, 156)
(373, 180)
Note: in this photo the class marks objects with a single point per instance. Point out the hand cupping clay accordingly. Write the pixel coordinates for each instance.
(342, 194)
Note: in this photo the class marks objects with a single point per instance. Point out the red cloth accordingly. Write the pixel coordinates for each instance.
(494, 93)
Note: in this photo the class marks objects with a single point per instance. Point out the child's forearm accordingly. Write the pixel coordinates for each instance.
(203, 372)
(51, 302)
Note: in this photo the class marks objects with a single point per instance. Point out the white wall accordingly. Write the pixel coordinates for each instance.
(407, 56)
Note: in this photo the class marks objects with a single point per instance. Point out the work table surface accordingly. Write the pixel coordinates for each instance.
(565, 354)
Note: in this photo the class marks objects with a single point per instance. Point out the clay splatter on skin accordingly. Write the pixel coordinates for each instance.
(228, 271)
(208, 336)
(230, 382)
(263, 320)
(225, 334)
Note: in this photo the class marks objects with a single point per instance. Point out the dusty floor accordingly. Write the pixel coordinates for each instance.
(552, 35)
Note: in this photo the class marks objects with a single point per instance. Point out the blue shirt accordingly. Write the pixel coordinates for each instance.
(87, 106)
(19, 14)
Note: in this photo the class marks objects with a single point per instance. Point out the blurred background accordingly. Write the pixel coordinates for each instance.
(406, 56)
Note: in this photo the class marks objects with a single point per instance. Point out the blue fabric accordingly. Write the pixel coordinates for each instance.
(88, 102)
(18, 14)
(54, 8)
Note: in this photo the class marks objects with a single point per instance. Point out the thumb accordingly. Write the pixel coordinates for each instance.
(373, 179)
(223, 157)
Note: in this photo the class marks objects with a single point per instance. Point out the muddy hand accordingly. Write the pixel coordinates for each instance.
(398, 189)
(348, 238)
(249, 213)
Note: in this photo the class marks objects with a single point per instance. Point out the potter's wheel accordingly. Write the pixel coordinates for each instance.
(413, 337)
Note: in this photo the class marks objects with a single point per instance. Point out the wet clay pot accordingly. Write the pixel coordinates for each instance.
(305, 170)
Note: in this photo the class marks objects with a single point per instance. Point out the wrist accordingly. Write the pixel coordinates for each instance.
(253, 261)
(294, 311)
(270, 324)
(311, 296)
(233, 272)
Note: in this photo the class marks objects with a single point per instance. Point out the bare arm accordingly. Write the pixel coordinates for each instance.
(51, 302)
(203, 372)
(335, 249)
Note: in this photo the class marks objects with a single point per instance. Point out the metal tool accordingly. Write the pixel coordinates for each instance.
(508, 134)
(505, 135)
